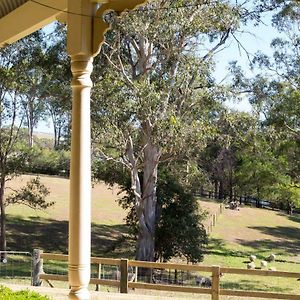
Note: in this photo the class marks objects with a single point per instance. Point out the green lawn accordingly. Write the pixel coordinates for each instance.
(260, 232)
(28, 229)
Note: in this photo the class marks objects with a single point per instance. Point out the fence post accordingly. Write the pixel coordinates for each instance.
(214, 219)
(136, 273)
(37, 267)
(99, 277)
(215, 283)
(124, 276)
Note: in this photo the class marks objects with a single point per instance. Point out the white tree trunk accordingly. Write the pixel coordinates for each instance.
(2, 219)
(147, 211)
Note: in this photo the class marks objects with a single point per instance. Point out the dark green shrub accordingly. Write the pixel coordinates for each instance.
(48, 161)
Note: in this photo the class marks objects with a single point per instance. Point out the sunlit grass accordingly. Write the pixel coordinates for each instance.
(260, 232)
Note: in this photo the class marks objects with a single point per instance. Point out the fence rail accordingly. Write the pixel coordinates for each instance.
(124, 283)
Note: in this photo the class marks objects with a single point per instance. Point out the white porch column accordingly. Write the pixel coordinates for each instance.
(85, 36)
(80, 180)
(80, 50)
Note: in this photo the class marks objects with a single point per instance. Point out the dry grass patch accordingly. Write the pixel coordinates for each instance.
(105, 210)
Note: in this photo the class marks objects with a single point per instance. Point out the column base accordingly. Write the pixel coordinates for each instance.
(80, 294)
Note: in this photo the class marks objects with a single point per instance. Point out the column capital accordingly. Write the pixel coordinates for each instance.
(81, 67)
(101, 27)
(86, 26)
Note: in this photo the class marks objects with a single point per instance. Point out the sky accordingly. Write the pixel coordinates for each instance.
(253, 39)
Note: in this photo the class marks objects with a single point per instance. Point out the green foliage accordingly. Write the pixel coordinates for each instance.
(259, 167)
(269, 166)
(57, 89)
(8, 294)
(179, 213)
(154, 72)
(220, 159)
(33, 194)
(154, 93)
(286, 194)
(49, 161)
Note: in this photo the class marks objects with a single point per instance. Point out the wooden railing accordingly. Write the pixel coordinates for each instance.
(215, 291)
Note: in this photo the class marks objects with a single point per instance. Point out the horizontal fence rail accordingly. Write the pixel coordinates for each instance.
(124, 281)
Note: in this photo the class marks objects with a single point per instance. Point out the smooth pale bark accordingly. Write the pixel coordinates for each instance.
(147, 211)
(2, 218)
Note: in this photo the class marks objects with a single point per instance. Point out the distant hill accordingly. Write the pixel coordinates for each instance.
(44, 135)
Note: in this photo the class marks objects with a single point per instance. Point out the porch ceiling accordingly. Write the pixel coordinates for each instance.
(19, 18)
(7, 6)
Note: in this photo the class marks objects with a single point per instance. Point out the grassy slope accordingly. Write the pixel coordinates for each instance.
(105, 210)
(237, 234)
(260, 232)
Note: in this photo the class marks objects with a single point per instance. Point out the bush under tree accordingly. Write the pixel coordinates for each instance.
(176, 211)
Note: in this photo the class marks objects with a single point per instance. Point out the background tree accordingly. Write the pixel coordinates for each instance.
(13, 149)
(272, 163)
(220, 159)
(29, 76)
(260, 167)
(57, 94)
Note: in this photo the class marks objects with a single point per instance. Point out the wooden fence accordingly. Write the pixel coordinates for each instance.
(123, 283)
(212, 219)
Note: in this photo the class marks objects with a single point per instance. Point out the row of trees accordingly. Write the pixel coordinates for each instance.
(160, 127)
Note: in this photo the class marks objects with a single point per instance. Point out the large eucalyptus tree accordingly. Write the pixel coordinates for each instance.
(154, 98)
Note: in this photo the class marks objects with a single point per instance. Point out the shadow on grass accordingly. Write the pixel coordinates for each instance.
(253, 285)
(288, 240)
(218, 247)
(295, 218)
(52, 236)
